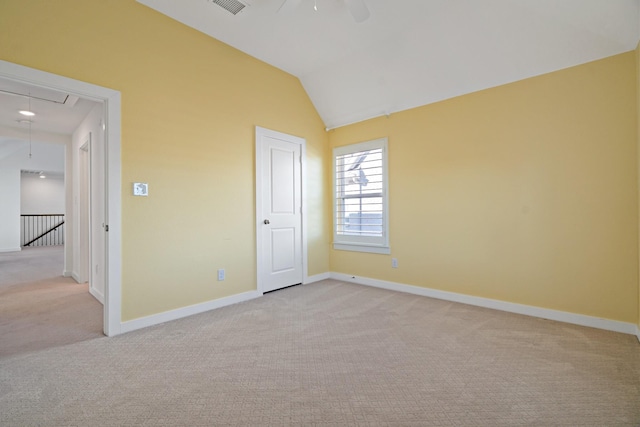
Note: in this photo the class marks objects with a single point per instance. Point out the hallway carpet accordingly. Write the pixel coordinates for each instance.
(40, 309)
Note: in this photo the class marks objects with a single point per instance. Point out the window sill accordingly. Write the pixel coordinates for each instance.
(362, 248)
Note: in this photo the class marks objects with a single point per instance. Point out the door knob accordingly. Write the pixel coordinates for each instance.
(266, 221)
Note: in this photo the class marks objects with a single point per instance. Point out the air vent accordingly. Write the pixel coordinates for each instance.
(48, 174)
(26, 172)
(232, 6)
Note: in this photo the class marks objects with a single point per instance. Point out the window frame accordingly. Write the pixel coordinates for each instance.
(370, 244)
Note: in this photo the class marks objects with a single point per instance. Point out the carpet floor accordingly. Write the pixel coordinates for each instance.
(331, 354)
(39, 308)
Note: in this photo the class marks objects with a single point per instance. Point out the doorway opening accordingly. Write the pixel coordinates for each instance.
(109, 194)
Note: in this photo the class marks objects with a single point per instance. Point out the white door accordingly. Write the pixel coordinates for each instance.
(98, 220)
(91, 248)
(278, 209)
(84, 208)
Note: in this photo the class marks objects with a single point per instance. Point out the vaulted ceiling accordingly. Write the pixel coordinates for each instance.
(413, 52)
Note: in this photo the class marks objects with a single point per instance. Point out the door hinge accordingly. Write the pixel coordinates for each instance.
(106, 228)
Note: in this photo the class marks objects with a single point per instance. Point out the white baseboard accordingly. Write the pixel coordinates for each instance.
(638, 332)
(316, 278)
(97, 295)
(179, 313)
(545, 313)
(67, 273)
(18, 249)
(75, 276)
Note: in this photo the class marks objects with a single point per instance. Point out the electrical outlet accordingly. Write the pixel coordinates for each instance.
(394, 262)
(221, 274)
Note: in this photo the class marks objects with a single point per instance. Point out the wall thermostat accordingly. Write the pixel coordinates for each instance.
(140, 189)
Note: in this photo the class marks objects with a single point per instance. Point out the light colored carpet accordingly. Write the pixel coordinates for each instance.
(39, 308)
(332, 354)
(31, 265)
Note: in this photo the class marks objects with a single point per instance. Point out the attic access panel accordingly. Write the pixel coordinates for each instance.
(35, 92)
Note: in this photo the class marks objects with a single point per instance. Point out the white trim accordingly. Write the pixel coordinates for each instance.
(638, 333)
(113, 217)
(370, 244)
(316, 278)
(303, 189)
(112, 105)
(527, 310)
(259, 209)
(182, 312)
(372, 249)
(83, 206)
(97, 295)
(18, 249)
(75, 276)
(259, 132)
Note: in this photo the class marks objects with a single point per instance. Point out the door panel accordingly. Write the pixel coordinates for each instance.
(282, 175)
(283, 256)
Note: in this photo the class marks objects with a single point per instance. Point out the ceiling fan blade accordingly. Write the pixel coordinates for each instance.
(288, 6)
(358, 9)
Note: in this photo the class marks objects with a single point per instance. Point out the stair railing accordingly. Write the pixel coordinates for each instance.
(42, 230)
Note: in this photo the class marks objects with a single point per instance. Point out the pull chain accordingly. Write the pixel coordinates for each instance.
(30, 126)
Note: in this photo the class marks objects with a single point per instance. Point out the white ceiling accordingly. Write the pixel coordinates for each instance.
(56, 112)
(414, 52)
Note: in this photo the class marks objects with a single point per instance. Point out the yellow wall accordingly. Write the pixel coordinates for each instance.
(189, 107)
(526, 193)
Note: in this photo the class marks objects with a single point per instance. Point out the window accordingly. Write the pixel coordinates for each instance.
(361, 219)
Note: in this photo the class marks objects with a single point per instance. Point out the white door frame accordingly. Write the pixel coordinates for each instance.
(260, 131)
(112, 324)
(83, 220)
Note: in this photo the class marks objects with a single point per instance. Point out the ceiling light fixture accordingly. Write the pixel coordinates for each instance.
(28, 112)
(42, 175)
(315, 5)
